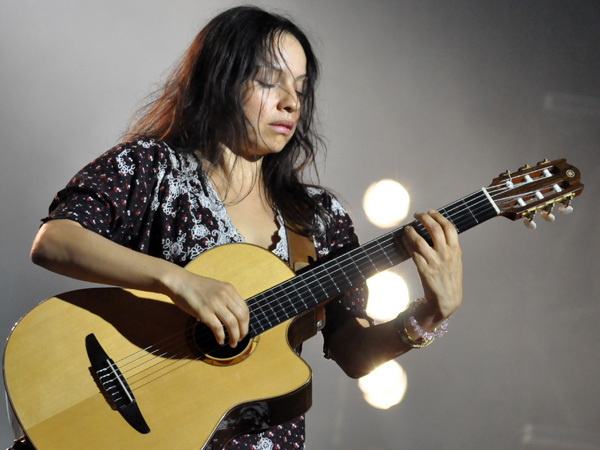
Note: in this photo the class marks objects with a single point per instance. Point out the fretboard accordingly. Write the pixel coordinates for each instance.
(340, 274)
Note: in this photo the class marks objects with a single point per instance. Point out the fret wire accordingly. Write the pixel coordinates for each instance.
(258, 323)
(292, 304)
(366, 253)
(325, 280)
(311, 274)
(471, 212)
(354, 266)
(304, 285)
(385, 253)
(373, 248)
(257, 310)
(323, 268)
(272, 305)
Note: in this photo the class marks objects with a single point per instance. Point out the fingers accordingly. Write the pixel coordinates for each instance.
(235, 318)
(226, 309)
(215, 303)
(439, 228)
(442, 232)
(439, 266)
(450, 232)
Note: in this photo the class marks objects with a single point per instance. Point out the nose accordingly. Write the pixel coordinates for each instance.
(288, 99)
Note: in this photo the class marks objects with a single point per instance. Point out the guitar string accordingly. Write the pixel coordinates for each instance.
(308, 288)
(346, 277)
(135, 384)
(284, 289)
(378, 240)
(447, 210)
(484, 200)
(162, 369)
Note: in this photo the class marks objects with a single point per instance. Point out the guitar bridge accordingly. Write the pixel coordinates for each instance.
(114, 385)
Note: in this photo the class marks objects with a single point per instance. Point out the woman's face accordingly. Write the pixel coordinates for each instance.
(272, 99)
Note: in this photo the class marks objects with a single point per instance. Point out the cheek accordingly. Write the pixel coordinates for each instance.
(253, 106)
(252, 109)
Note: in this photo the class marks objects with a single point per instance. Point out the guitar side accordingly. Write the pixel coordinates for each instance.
(187, 402)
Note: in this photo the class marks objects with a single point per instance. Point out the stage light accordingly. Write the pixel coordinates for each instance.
(385, 386)
(388, 296)
(386, 203)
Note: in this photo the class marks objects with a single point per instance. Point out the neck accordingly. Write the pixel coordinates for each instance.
(236, 177)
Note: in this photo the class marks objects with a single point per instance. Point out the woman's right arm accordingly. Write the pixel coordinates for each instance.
(66, 247)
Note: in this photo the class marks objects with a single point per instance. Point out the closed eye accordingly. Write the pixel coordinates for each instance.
(265, 85)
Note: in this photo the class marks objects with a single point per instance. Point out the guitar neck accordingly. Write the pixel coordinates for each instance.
(337, 275)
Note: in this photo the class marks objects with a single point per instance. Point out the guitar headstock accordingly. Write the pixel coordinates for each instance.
(530, 190)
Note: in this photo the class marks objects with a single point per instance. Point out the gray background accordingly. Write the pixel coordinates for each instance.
(440, 95)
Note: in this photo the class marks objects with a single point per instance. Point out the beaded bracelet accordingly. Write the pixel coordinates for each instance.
(425, 337)
(400, 325)
(439, 331)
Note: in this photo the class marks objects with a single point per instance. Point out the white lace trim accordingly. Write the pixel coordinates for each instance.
(263, 444)
(281, 248)
(184, 179)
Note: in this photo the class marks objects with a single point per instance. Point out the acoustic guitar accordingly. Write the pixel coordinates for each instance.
(109, 368)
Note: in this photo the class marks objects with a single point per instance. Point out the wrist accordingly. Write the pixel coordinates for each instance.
(417, 327)
(168, 279)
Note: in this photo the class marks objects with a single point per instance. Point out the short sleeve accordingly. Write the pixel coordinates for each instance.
(111, 194)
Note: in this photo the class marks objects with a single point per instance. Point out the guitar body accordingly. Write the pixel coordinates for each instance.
(188, 401)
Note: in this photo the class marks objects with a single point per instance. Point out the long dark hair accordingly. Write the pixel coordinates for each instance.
(201, 106)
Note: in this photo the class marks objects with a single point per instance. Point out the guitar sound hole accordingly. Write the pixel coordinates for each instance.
(211, 352)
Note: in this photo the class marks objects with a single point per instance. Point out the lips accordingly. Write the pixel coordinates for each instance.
(282, 126)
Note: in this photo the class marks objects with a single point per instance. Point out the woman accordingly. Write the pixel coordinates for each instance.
(218, 157)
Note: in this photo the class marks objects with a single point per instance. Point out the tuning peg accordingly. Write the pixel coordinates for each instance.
(528, 220)
(566, 207)
(525, 167)
(544, 161)
(547, 214)
(506, 173)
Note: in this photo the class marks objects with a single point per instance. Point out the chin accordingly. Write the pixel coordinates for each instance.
(272, 149)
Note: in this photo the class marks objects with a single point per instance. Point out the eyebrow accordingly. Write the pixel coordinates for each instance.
(279, 69)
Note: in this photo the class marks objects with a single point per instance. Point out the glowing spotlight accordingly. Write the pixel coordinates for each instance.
(385, 386)
(386, 203)
(388, 296)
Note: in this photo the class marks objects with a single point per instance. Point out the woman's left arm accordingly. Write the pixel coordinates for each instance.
(359, 348)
